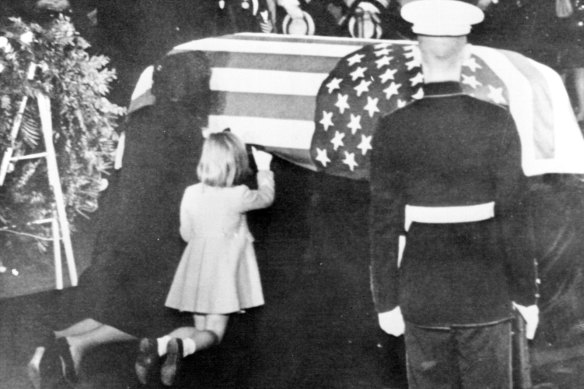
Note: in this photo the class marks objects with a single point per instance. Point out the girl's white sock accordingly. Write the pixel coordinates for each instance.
(189, 346)
(162, 344)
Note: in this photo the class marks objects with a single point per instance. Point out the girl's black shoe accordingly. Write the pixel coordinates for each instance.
(173, 362)
(147, 360)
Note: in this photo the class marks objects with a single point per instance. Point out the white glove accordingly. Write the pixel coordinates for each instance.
(392, 322)
(292, 8)
(261, 158)
(265, 23)
(531, 316)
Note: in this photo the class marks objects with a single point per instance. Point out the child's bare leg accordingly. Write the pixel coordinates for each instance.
(214, 330)
(208, 331)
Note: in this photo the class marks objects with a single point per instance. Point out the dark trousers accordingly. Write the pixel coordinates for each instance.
(459, 357)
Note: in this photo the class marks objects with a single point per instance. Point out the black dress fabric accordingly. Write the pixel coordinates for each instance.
(139, 245)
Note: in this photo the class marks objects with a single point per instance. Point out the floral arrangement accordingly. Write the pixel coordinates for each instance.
(84, 123)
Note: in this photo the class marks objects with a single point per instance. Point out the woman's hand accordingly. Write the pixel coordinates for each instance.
(392, 322)
(531, 316)
(261, 158)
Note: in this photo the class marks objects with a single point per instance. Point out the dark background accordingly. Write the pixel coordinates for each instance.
(318, 328)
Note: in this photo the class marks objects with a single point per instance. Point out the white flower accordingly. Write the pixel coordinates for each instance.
(2, 67)
(27, 37)
(5, 102)
(43, 66)
(103, 184)
(3, 42)
(8, 49)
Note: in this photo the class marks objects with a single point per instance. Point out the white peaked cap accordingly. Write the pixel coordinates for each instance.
(441, 17)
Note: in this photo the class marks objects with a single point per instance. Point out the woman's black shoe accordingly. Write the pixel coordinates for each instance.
(37, 367)
(67, 364)
(147, 361)
(173, 362)
(46, 369)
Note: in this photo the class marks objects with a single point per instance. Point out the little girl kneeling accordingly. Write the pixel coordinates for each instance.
(218, 272)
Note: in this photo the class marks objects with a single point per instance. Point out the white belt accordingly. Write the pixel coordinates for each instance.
(448, 215)
(444, 215)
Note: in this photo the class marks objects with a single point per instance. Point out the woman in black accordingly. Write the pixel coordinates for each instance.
(139, 245)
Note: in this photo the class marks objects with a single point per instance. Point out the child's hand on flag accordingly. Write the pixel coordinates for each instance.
(262, 159)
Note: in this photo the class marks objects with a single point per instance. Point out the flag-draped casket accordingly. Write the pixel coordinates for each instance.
(316, 101)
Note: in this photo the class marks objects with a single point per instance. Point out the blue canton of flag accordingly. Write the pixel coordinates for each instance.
(368, 84)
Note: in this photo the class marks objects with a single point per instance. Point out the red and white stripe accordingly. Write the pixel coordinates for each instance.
(268, 85)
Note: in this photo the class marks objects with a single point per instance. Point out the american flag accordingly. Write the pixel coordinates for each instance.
(315, 101)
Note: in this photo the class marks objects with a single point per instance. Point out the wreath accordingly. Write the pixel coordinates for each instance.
(54, 60)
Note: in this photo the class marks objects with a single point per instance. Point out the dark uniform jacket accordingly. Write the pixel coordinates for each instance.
(450, 149)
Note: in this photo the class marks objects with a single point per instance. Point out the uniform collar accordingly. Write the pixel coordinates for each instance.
(441, 89)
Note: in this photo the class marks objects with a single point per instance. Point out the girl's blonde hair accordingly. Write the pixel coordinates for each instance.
(224, 160)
